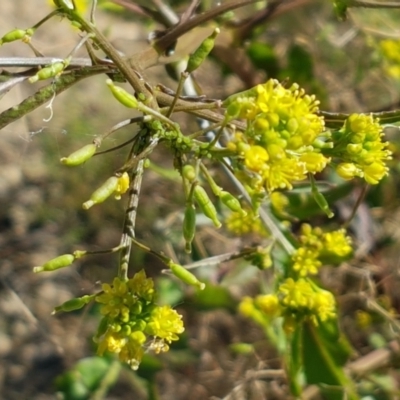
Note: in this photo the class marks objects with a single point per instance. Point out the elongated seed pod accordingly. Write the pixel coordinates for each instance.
(80, 156)
(323, 204)
(201, 53)
(56, 263)
(232, 202)
(207, 207)
(102, 193)
(122, 95)
(48, 72)
(186, 276)
(16, 34)
(73, 304)
(189, 226)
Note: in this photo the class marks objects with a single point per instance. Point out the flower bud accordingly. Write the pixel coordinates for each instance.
(207, 207)
(78, 157)
(201, 53)
(56, 263)
(122, 95)
(189, 226)
(189, 173)
(123, 185)
(185, 275)
(102, 193)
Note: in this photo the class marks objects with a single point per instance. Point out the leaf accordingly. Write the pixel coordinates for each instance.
(294, 361)
(86, 377)
(324, 354)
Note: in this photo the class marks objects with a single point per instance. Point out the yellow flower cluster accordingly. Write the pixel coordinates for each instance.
(295, 301)
(317, 247)
(359, 145)
(132, 322)
(284, 135)
(240, 223)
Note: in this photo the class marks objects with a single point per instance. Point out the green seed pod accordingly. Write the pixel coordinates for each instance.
(48, 72)
(56, 263)
(323, 204)
(73, 304)
(185, 276)
(16, 34)
(102, 193)
(122, 95)
(201, 53)
(207, 207)
(232, 202)
(189, 226)
(80, 156)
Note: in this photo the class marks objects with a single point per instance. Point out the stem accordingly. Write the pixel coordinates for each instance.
(121, 63)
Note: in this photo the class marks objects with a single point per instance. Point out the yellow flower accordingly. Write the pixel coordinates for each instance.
(268, 304)
(165, 323)
(132, 319)
(280, 135)
(296, 294)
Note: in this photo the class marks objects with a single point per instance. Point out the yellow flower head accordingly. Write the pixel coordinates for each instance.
(133, 322)
(282, 129)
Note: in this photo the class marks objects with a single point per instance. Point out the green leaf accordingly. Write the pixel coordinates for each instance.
(213, 297)
(324, 355)
(294, 361)
(263, 57)
(86, 377)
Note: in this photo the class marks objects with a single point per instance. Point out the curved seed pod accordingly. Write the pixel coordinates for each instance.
(207, 207)
(102, 193)
(186, 276)
(74, 304)
(201, 53)
(189, 226)
(122, 95)
(232, 202)
(78, 157)
(56, 263)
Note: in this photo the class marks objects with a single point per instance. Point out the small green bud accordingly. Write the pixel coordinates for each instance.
(122, 95)
(201, 53)
(56, 263)
(232, 202)
(207, 207)
(185, 276)
(102, 193)
(78, 157)
(189, 226)
(74, 304)
(17, 34)
(189, 173)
